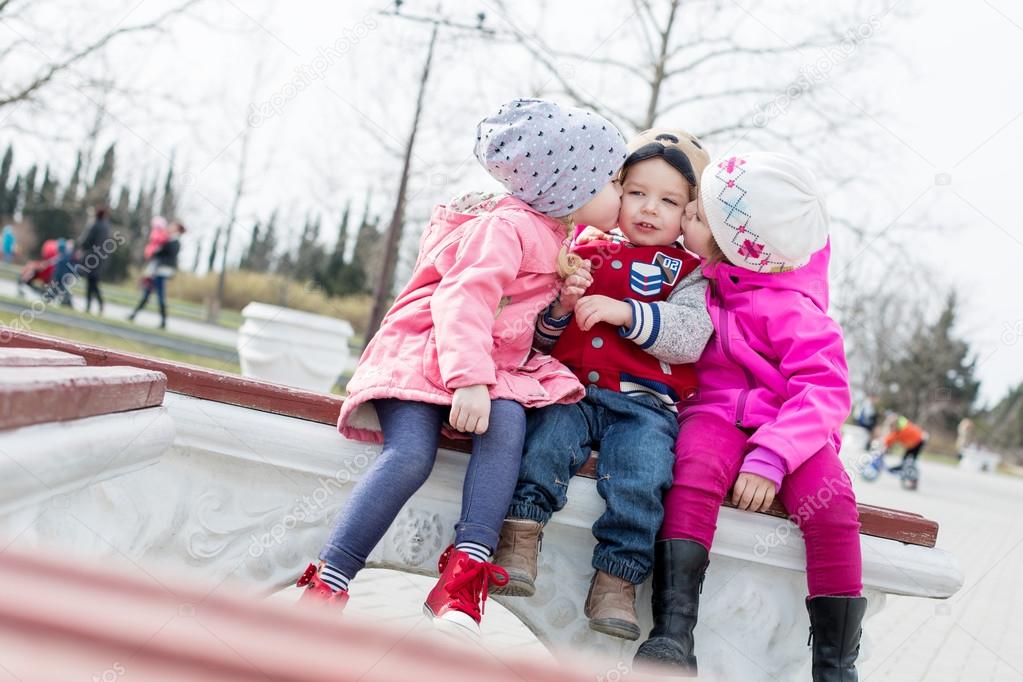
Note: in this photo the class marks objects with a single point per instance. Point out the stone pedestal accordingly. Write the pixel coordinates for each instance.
(293, 347)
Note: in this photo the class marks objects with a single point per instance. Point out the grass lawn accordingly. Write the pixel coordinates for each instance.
(115, 342)
(940, 458)
(31, 298)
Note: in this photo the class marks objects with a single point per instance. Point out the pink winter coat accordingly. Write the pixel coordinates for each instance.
(467, 317)
(775, 363)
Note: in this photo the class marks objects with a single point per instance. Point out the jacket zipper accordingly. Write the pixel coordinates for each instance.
(740, 408)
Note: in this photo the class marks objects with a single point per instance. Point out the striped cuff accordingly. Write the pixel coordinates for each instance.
(550, 328)
(555, 322)
(646, 324)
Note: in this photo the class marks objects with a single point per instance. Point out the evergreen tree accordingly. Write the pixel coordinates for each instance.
(150, 203)
(342, 233)
(269, 244)
(48, 191)
(137, 225)
(121, 213)
(5, 174)
(309, 256)
(934, 382)
(254, 243)
(48, 218)
(1001, 427)
(211, 266)
(198, 253)
(71, 193)
(102, 185)
(118, 262)
(11, 196)
(337, 277)
(367, 254)
(259, 256)
(285, 265)
(168, 204)
(30, 199)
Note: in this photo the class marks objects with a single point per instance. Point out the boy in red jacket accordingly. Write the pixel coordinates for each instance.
(635, 372)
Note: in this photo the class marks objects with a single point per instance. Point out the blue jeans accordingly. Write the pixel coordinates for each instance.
(411, 434)
(636, 439)
(157, 285)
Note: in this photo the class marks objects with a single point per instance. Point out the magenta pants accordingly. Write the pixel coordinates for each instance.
(818, 497)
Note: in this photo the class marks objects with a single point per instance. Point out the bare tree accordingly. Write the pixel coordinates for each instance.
(53, 64)
(237, 196)
(680, 58)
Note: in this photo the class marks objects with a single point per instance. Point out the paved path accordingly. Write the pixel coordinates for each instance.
(147, 318)
(58, 315)
(978, 634)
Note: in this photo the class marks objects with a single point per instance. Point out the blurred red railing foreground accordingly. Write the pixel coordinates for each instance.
(63, 621)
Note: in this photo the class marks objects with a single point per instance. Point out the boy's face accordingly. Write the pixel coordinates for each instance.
(654, 196)
(696, 235)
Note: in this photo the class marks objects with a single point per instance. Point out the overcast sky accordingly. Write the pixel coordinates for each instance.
(334, 86)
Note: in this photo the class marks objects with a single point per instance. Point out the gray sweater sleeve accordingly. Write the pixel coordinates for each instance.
(674, 331)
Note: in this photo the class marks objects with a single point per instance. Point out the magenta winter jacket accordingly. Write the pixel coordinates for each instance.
(775, 363)
(467, 317)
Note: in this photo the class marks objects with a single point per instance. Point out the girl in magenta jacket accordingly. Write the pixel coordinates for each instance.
(773, 395)
(454, 350)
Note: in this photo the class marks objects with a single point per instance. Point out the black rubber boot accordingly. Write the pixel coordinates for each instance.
(679, 567)
(835, 633)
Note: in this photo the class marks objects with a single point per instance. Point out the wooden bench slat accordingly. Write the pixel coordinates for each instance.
(323, 408)
(38, 357)
(199, 382)
(37, 395)
(881, 522)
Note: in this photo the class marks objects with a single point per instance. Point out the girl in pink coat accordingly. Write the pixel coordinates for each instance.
(454, 350)
(773, 395)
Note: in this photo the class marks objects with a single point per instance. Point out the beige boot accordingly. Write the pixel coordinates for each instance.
(611, 606)
(516, 553)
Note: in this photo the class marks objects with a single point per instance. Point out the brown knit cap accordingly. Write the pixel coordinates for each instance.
(644, 146)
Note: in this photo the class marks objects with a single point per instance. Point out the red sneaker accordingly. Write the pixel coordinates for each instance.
(461, 591)
(318, 591)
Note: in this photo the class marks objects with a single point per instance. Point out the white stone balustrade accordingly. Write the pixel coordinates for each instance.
(249, 495)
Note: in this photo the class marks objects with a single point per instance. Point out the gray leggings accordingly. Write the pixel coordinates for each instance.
(411, 434)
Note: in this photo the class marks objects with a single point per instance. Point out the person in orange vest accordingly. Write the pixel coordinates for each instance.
(909, 436)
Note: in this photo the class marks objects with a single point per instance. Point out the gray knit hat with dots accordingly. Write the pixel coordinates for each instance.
(553, 158)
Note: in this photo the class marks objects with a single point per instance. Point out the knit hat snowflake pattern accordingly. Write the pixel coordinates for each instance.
(554, 158)
(764, 210)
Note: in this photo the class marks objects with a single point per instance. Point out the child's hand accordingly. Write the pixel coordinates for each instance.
(591, 234)
(593, 309)
(752, 492)
(573, 288)
(470, 409)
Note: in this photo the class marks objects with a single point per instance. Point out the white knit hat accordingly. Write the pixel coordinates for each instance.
(764, 210)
